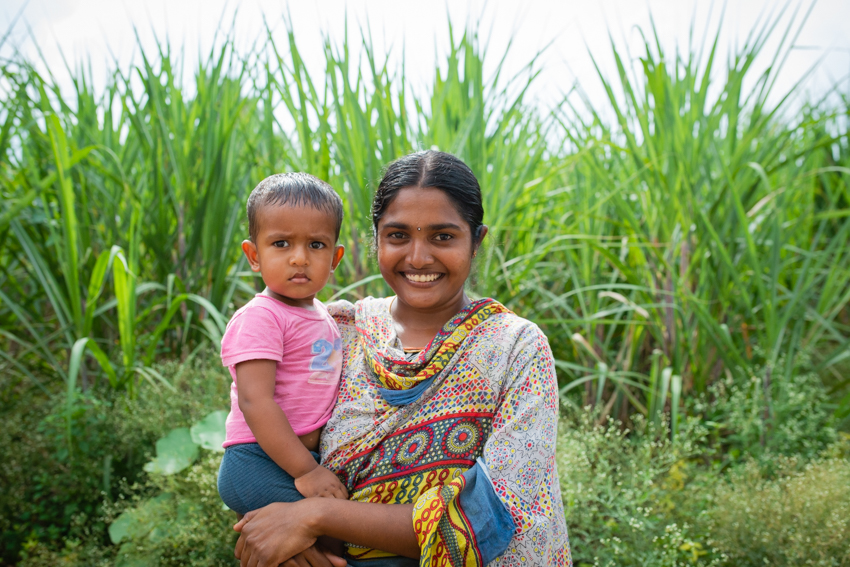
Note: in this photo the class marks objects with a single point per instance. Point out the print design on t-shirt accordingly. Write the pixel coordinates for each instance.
(326, 362)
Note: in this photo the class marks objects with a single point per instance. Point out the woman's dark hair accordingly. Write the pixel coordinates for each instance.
(433, 169)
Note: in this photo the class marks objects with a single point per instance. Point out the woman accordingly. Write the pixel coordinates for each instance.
(444, 432)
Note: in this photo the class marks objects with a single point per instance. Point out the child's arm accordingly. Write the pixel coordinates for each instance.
(255, 381)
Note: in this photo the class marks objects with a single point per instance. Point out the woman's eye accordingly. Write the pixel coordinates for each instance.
(317, 245)
(442, 237)
(280, 244)
(396, 235)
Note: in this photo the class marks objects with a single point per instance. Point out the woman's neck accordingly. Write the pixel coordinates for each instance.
(416, 327)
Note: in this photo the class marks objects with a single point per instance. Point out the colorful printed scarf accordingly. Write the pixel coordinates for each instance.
(403, 374)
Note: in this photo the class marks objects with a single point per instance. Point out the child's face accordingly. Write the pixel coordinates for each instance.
(295, 252)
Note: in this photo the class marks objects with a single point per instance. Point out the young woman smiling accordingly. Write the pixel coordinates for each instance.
(444, 431)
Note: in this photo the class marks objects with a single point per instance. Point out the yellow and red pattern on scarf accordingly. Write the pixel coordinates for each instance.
(404, 374)
(444, 533)
(423, 463)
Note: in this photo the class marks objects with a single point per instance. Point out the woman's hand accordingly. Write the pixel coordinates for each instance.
(273, 534)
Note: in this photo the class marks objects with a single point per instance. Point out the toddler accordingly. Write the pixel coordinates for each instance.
(283, 349)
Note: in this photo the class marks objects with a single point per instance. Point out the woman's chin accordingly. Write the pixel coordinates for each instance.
(427, 298)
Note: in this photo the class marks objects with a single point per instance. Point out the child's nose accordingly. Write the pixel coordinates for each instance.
(299, 257)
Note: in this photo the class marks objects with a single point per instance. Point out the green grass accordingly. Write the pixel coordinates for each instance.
(700, 234)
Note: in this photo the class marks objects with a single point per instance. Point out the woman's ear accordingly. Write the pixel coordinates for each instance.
(250, 250)
(482, 232)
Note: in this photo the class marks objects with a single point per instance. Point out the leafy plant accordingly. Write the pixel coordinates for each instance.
(800, 515)
(54, 496)
(153, 531)
(634, 498)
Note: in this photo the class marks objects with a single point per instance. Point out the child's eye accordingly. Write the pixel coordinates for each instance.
(317, 245)
(280, 244)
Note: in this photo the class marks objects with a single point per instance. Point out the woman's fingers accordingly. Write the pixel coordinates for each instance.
(315, 558)
(257, 558)
(312, 557)
(335, 560)
(244, 520)
(240, 547)
(245, 555)
(273, 534)
(242, 554)
(297, 561)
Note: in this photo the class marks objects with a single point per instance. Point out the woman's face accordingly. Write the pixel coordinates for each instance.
(424, 249)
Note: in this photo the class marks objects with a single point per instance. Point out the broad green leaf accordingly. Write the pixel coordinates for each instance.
(174, 452)
(139, 521)
(209, 433)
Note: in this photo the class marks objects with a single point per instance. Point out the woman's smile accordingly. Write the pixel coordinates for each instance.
(415, 278)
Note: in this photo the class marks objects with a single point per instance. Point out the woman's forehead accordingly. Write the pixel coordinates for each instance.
(422, 206)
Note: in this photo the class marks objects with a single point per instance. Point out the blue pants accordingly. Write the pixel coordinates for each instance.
(249, 479)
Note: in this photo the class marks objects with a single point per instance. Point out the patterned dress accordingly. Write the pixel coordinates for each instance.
(465, 431)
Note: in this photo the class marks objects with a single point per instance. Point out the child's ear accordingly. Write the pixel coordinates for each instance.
(338, 253)
(250, 250)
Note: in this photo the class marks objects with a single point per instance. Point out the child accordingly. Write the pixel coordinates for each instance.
(283, 349)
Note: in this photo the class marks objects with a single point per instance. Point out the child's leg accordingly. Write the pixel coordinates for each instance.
(249, 479)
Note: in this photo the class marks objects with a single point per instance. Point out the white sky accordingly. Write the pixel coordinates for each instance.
(98, 29)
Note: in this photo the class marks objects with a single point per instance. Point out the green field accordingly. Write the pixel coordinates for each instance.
(684, 243)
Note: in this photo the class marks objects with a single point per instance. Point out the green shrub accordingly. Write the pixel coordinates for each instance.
(185, 524)
(794, 418)
(54, 503)
(638, 498)
(799, 517)
(191, 526)
(47, 487)
(633, 498)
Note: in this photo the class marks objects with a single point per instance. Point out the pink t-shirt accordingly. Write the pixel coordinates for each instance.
(307, 347)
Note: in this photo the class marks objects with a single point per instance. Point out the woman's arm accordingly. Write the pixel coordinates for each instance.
(273, 534)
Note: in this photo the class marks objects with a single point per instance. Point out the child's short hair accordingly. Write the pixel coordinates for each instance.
(293, 189)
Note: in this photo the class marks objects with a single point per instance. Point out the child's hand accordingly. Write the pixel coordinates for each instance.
(322, 483)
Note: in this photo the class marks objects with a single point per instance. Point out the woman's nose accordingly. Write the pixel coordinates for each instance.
(419, 254)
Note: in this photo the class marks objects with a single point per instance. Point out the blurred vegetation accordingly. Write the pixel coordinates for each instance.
(642, 499)
(683, 243)
(799, 516)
